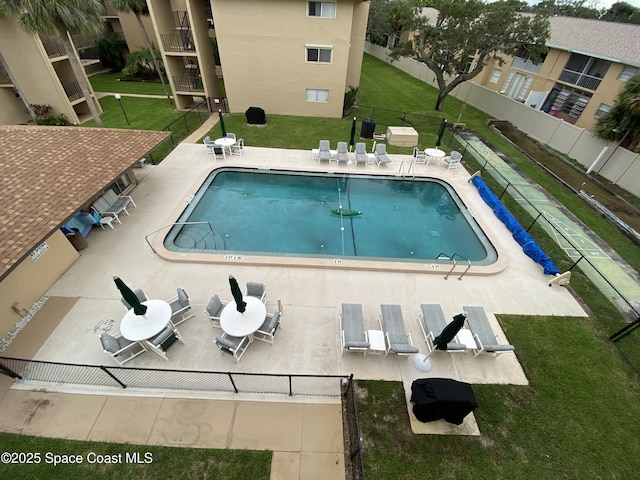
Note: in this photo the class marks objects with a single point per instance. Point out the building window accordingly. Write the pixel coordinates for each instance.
(516, 86)
(322, 9)
(584, 71)
(319, 54)
(495, 76)
(627, 73)
(315, 95)
(602, 109)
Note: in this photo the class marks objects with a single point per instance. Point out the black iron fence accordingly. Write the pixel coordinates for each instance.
(353, 458)
(531, 216)
(118, 378)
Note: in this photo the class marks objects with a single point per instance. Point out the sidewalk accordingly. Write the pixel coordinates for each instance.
(306, 438)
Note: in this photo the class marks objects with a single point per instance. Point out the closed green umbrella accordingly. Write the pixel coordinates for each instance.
(241, 305)
(224, 131)
(130, 297)
(352, 138)
(423, 362)
(443, 127)
(449, 332)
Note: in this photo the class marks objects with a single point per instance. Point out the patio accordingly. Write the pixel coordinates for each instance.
(308, 340)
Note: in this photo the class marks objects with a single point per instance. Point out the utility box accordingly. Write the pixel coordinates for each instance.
(402, 136)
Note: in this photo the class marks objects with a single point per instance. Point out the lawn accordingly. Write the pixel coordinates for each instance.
(152, 462)
(110, 83)
(578, 418)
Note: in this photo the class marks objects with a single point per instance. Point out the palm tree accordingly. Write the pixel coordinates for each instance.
(139, 8)
(61, 18)
(19, 91)
(622, 123)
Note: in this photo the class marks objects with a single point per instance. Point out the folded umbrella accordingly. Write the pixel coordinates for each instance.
(130, 297)
(241, 305)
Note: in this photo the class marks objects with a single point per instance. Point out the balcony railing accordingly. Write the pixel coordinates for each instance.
(54, 47)
(526, 64)
(581, 79)
(178, 43)
(73, 91)
(188, 84)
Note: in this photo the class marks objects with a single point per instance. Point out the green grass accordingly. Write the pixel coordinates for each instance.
(165, 462)
(110, 82)
(577, 419)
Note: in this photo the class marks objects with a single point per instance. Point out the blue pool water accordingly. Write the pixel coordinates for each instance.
(290, 213)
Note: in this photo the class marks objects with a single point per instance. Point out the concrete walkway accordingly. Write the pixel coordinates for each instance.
(306, 439)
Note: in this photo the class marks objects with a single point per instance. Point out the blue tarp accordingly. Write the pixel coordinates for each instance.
(529, 246)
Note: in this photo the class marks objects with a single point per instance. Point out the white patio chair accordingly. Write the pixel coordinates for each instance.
(234, 346)
(453, 160)
(121, 349)
(214, 309)
(180, 307)
(258, 290)
(161, 342)
(267, 331)
(236, 148)
(419, 156)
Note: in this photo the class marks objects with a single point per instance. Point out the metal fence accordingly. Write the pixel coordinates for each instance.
(354, 462)
(118, 378)
(532, 216)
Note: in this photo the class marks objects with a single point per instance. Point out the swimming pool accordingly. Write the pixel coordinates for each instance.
(298, 214)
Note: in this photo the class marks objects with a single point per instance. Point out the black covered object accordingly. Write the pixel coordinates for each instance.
(255, 116)
(436, 398)
(368, 128)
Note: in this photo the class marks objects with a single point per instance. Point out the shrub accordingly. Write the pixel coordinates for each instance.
(46, 115)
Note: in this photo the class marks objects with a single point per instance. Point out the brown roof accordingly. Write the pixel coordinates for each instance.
(48, 173)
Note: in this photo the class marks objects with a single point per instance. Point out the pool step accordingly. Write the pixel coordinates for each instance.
(192, 237)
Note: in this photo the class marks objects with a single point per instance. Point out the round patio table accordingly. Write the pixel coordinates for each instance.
(239, 324)
(142, 327)
(225, 142)
(434, 152)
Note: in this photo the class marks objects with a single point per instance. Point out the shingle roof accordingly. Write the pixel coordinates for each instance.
(48, 173)
(619, 42)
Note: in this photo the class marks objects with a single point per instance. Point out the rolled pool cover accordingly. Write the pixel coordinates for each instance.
(529, 246)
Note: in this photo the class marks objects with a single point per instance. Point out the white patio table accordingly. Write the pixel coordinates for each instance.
(138, 327)
(239, 324)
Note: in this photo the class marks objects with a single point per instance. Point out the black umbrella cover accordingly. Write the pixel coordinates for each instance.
(241, 305)
(130, 297)
(449, 332)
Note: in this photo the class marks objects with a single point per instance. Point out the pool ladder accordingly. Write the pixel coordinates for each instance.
(444, 256)
(407, 177)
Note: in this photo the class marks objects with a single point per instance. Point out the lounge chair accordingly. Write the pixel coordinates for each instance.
(392, 324)
(432, 322)
(361, 153)
(342, 154)
(352, 334)
(486, 339)
(111, 204)
(324, 151)
(381, 154)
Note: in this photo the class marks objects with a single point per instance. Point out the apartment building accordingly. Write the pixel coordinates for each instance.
(579, 79)
(43, 72)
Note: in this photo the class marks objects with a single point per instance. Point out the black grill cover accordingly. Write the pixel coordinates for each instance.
(436, 398)
(255, 116)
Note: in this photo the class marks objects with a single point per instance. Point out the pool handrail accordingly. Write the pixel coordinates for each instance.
(453, 267)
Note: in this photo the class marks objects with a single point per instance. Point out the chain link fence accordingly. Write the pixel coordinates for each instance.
(522, 199)
(118, 378)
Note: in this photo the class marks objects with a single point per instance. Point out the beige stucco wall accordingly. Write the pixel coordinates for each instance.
(40, 78)
(31, 279)
(546, 78)
(263, 54)
(12, 110)
(133, 34)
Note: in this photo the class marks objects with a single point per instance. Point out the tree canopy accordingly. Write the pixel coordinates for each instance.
(622, 122)
(467, 35)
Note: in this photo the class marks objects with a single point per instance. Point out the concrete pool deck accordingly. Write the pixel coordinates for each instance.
(308, 342)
